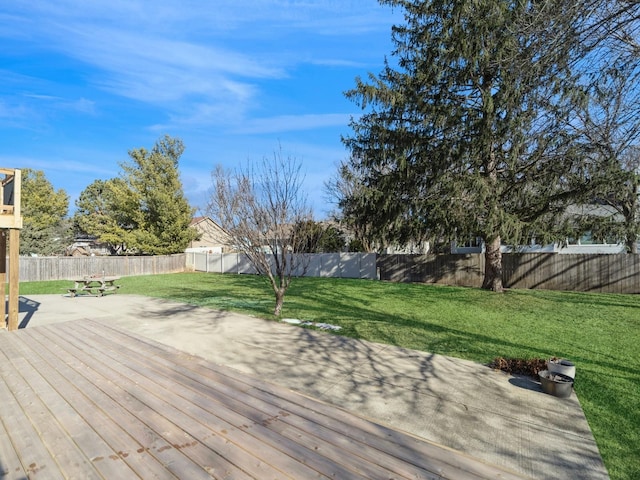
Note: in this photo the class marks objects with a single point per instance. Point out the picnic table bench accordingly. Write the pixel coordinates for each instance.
(94, 285)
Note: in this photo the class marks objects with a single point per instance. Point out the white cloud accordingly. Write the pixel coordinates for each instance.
(196, 115)
(289, 123)
(14, 112)
(84, 106)
(81, 105)
(157, 70)
(56, 166)
(189, 57)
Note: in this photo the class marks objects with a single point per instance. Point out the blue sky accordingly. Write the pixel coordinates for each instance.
(84, 82)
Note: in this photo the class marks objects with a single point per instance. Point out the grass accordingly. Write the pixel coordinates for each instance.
(599, 332)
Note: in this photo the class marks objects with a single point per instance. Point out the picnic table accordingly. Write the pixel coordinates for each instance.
(94, 285)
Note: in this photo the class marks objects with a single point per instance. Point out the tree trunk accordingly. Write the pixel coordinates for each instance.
(279, 301)
(493, 265)
(631, 235)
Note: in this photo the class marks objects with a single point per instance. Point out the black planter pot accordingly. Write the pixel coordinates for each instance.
(556, 384)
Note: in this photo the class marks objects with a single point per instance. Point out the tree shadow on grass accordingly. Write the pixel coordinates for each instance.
(328, 305)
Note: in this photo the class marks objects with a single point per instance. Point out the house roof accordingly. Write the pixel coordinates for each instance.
(206, 223)
(196, 220)
(204, 219)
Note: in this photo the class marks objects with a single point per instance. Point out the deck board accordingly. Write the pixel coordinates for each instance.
(83, 399)
(136, 418)
(87, 423)
(208, 407)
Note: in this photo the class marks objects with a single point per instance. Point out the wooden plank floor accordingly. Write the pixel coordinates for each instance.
(85, 400)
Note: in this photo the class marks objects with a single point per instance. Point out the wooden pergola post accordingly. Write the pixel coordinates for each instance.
(14, 279)
(10, 223)
(3, 275)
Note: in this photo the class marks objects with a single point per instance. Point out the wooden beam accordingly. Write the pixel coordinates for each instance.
(10, 212)
(14, 278)
(3, 277)
(17, 193)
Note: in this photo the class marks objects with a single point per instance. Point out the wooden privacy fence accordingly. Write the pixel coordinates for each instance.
(61, 268)
(615, 273)
(338, 265)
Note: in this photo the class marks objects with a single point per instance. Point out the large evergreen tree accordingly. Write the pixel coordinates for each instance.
(144, 210)
(152, 196)
(466, 133)
(96, 214)
(44, 210)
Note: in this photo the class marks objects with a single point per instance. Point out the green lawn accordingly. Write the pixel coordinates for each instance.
(599, 332)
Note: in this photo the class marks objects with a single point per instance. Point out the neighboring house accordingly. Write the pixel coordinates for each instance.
(212, 237)
(421, 248)
(585, 244)
(87, 246)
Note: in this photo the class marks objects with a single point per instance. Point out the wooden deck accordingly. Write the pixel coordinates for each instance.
(85, 400)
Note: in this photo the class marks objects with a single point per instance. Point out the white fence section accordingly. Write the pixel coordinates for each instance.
(338, 265)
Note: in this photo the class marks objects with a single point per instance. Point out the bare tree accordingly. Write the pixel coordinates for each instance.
(614, 25)
(257, 206)
(609, 121)
(344, 188)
